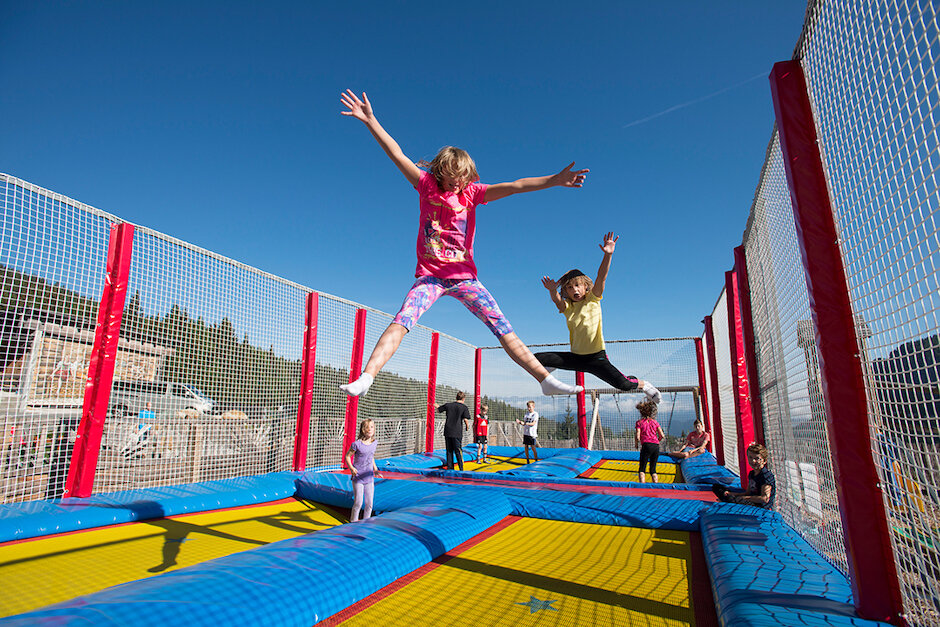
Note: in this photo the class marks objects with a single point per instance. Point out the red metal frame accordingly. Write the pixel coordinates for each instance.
(750, 342)
(355, 369)
(582, 411)
(307, 375)
(477, 378)
(716, 401)
(703, 389)
(84, 462)
(432, 395)
(872, 569)
(742, 403)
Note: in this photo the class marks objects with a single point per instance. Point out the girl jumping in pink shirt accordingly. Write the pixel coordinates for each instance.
(449, 195)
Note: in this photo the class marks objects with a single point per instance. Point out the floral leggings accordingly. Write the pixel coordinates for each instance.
(475, 297)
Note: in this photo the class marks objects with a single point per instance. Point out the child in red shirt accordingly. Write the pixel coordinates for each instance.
(481, 430)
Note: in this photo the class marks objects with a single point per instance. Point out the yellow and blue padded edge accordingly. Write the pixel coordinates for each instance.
(298, 581)
(20, 521)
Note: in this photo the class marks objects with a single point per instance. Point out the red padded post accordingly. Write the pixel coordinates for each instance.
(582, 411)
(716, 400)
(307, 374)
(742, 402)
(432, 395)
(477, 381)
(355, 369)
(84, 462)
(872, 568)
(750, 342)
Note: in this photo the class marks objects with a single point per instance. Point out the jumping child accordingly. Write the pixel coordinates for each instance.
(530, 424)
(448, 198)
(578, 298)
(648, 436)
(361, 461)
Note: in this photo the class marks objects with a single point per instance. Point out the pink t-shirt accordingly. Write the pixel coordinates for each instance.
(446, 228)
(649, 430)
(696, 439)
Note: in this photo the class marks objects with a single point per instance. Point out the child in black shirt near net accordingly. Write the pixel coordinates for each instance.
(761, 485)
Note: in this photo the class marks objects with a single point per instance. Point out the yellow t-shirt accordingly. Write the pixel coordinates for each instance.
(584, 325)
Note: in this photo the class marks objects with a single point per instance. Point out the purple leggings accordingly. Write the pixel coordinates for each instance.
(475, 297)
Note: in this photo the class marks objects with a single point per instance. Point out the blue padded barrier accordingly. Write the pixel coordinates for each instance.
(704, 469)
(603, 509)
(566, 466)
(19, 521)
(336, 489)
(299, 581)
(764, 573)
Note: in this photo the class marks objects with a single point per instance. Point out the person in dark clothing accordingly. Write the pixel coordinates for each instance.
(453, 436)
(761, 484)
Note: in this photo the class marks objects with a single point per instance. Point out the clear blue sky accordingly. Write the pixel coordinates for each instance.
(218, 123)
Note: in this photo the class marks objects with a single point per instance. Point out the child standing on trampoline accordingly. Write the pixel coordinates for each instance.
(361, 461)
(648, 436)
(578, 298)
(448, 198)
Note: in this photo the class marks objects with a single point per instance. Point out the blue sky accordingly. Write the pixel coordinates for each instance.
(218, 123)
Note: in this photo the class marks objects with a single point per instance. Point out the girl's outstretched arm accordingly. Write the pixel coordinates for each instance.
(565, 178)
(610, 242)
(552, 288)
(362, 111)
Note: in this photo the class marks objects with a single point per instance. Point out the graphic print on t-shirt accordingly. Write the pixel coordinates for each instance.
(445, 230)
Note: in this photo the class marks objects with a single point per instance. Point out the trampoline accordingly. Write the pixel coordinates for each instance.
(533, 545)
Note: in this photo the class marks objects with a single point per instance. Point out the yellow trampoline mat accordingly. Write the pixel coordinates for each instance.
(497, 463)
(551, 573)
(623, 470)
(36, 573)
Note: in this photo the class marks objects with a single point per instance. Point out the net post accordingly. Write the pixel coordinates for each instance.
(432, 395)
(84, 462)
(582, 411)
(872, 569)
(703, 388)
(742, 404)
(716, 400)
(355, 369)
(750, 342)
(307, 374)
(477, 381)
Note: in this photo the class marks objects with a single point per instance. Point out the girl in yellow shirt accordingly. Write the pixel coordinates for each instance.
(578, 298)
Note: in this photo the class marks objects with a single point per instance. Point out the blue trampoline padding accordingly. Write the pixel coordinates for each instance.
(632, 456)
(336, 489)
(565, 465)
(604, 509)
(19, 521)
(764, 573)
(299, 581)
(704, 469)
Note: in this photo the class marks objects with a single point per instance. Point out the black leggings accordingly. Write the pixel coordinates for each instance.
(595, 363)
(649, 452)
(454, 449)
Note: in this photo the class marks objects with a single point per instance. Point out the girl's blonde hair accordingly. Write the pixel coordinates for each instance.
(646, 408)
(362, 428)
(577, 278)
(453, 162)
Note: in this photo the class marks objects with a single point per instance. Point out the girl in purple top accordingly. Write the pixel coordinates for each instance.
(361, 461)
(648, 436)
(448, 197)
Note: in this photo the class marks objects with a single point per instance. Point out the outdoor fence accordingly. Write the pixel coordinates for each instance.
(838, 292)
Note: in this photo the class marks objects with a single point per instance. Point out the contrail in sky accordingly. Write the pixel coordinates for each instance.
(692, 102)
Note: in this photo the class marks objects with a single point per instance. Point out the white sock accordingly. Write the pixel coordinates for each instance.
(551, 385)
(360, 386)
(652, 392)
